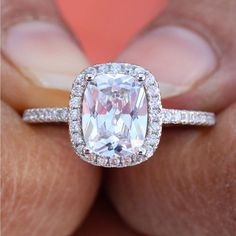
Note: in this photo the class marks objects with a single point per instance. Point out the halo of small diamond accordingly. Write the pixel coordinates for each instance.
(154, 114)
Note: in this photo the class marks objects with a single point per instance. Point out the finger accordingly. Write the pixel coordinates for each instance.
(104, 220)
(182, 189)
(40, 57)
(187, 188)
(191, 53)
(46, 190)
(46, 187)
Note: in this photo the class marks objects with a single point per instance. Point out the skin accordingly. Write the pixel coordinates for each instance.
(180, 191)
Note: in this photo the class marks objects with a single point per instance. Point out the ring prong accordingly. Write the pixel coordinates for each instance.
(141, 77)
(89, 77)
(87, 151)
(141, 152)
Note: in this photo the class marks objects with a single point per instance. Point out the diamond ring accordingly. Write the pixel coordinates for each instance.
(115, 115)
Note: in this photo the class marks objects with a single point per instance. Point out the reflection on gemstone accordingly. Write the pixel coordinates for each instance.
(114, 118)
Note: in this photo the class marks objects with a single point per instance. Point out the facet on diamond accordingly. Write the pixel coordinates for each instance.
(114, 116)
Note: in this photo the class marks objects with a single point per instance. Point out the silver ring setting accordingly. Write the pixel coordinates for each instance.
(115, 115)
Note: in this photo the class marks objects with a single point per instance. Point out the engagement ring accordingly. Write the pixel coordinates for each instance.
(115, 115)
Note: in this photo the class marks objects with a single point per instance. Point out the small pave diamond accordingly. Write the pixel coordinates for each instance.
(152, 91)
(74, 114)
(77, 139)
(91, 157)
(115, 68)
(149, 151)
(149, 81)
(153, 139)
(102, 161)
(46, 115)
(103, 68)
(155, 126)
(74, 102)
(114, 161)
(173, 116)
(78, 90)
(79, 149)
(127, 161)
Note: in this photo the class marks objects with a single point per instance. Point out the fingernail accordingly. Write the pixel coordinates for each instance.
(178, 57)
(44, 53)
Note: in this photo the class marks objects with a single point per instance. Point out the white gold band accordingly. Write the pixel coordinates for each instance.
(169, 116)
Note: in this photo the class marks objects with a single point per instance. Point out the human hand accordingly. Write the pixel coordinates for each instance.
(187, 188)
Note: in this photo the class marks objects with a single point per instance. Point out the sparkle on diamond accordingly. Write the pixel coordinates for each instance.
(114, 117)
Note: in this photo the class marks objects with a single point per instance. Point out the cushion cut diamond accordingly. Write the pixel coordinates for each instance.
(114, 117)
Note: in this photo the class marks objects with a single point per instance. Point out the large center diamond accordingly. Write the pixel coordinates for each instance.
(114, 119)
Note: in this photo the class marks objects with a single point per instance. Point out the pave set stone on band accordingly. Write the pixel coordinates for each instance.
(115, 115)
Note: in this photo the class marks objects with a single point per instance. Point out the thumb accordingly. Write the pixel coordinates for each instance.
(40, 58)
(46, 190)
(188, 186)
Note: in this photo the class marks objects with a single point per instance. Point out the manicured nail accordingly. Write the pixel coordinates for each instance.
(45, 53)
(178, 57)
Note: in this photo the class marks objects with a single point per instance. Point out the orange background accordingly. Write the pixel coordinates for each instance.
(105, 27)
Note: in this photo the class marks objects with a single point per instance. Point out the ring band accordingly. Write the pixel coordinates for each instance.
(169, 116)
(115, 115)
